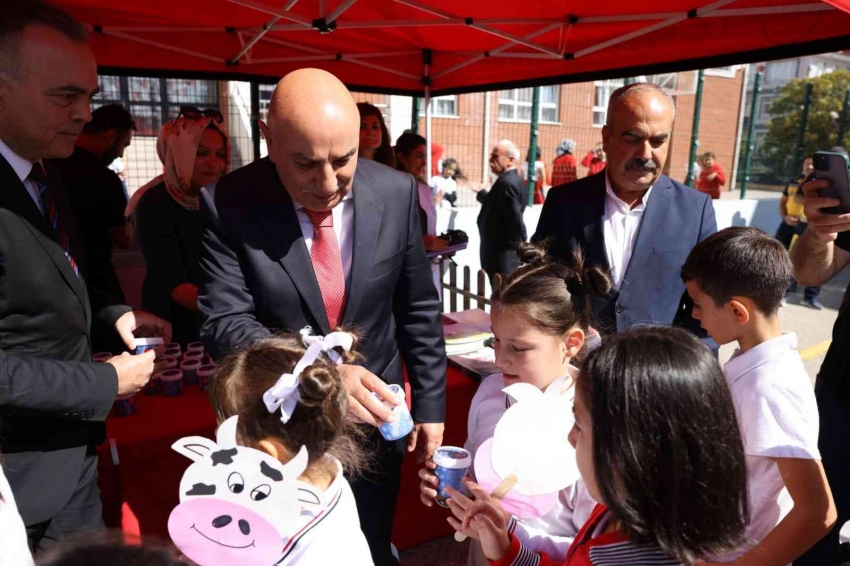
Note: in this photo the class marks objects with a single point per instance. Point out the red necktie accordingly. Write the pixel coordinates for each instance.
(327, 264)
(39, 177)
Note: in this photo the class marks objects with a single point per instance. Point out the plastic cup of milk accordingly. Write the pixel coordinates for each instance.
(403, 423)
(205, 374)
(145, 344)
(172, 382)
(124, 406)
(452, 465)
(194, 346)
(189, 368)
(194, 355)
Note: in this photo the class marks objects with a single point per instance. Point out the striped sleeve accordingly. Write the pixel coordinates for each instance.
(520, 555)
(627, 553)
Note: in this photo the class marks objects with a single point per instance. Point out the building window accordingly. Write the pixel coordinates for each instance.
(725, 72)
(265, 99)
(601, 96)
(764, 108)
(441, 106)
(781, 71)
(152, 101)
(515, 104)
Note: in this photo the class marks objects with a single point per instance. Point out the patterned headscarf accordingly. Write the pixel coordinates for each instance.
(566, 146)
(177, 146)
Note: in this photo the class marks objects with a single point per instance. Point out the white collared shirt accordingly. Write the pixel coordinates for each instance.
(22, 169)
(343, 215)
(778, 417)
(328, 533)
(620, 231)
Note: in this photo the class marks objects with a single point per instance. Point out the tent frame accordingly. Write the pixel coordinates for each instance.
(327, 23)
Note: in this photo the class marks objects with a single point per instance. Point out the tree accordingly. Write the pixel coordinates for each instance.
(780, 144)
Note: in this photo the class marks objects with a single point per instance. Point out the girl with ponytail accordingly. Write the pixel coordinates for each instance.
(540, 319)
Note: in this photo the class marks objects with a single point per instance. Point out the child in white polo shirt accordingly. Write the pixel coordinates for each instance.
(737, 279)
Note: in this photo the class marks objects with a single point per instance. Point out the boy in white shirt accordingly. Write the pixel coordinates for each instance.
(737, 279)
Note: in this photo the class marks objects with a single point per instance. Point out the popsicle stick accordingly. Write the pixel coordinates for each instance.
(497, 494)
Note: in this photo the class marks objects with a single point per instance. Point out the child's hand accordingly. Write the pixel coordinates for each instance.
(428, 486)
(482, 519)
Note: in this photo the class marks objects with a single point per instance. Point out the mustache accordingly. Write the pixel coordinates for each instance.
(641, 165)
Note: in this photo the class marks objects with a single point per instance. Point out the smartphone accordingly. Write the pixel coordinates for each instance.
(835, 168)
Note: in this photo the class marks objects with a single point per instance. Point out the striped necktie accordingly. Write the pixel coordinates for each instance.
(39, 177)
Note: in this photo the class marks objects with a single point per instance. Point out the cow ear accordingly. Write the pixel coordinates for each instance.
(295, 467)
(308, 495)
(196, 448)
(226, 433)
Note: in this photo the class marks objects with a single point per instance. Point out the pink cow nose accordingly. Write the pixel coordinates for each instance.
(224, 520)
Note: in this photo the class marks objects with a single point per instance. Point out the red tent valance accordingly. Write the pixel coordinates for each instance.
(402, 46)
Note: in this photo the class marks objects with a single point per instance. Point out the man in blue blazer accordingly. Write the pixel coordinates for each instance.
(630, 218)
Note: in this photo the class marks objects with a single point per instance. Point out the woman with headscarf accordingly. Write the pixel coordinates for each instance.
(564, 166)
(374, 137)
(194, 149)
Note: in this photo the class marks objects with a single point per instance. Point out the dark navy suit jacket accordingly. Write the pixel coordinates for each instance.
(257, 276)
(676, 218)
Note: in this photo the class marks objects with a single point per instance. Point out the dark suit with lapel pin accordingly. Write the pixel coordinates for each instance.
(258, 278)
(53, 400)
(676, 218)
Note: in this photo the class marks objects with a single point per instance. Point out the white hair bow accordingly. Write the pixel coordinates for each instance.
(284, 394)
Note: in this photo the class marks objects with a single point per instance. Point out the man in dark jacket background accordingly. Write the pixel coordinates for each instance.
(500, 221)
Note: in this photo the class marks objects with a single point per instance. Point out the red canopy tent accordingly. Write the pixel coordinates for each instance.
(445, 46)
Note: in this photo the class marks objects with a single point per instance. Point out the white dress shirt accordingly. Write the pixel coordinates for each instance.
(620, 231)
(343, 215)
(22, 169)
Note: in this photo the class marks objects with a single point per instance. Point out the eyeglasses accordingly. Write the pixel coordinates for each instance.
(193, 113)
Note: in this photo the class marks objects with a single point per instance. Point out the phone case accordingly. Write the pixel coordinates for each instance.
(839, 177)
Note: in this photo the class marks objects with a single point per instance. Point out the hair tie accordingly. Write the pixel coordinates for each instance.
(284, 394)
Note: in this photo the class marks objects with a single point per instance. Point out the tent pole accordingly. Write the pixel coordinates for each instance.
(255, 118)
(842, 121)
(692, 156)
(485, 171)
(532, 144)
(414, 116)
(807, 101)
(426, 80)
(751, 127)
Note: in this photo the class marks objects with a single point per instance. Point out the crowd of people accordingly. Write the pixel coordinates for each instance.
(681, 461)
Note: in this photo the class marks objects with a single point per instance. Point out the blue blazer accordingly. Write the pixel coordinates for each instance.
(676, 218)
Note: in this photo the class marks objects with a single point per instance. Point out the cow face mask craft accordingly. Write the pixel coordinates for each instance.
(237, 504)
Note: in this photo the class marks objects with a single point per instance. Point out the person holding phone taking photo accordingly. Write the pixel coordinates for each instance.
(820, 254)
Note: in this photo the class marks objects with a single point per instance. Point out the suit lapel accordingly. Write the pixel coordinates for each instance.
(15, 197)
(594, 236)
(281, 229)
(651, 224)
(368, 212)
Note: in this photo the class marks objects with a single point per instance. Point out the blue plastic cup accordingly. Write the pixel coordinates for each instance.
(452, 465)
(145, 344)
(172, 382)
(403, 422)
(190, 371)
(205, 375)
(124, 406)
